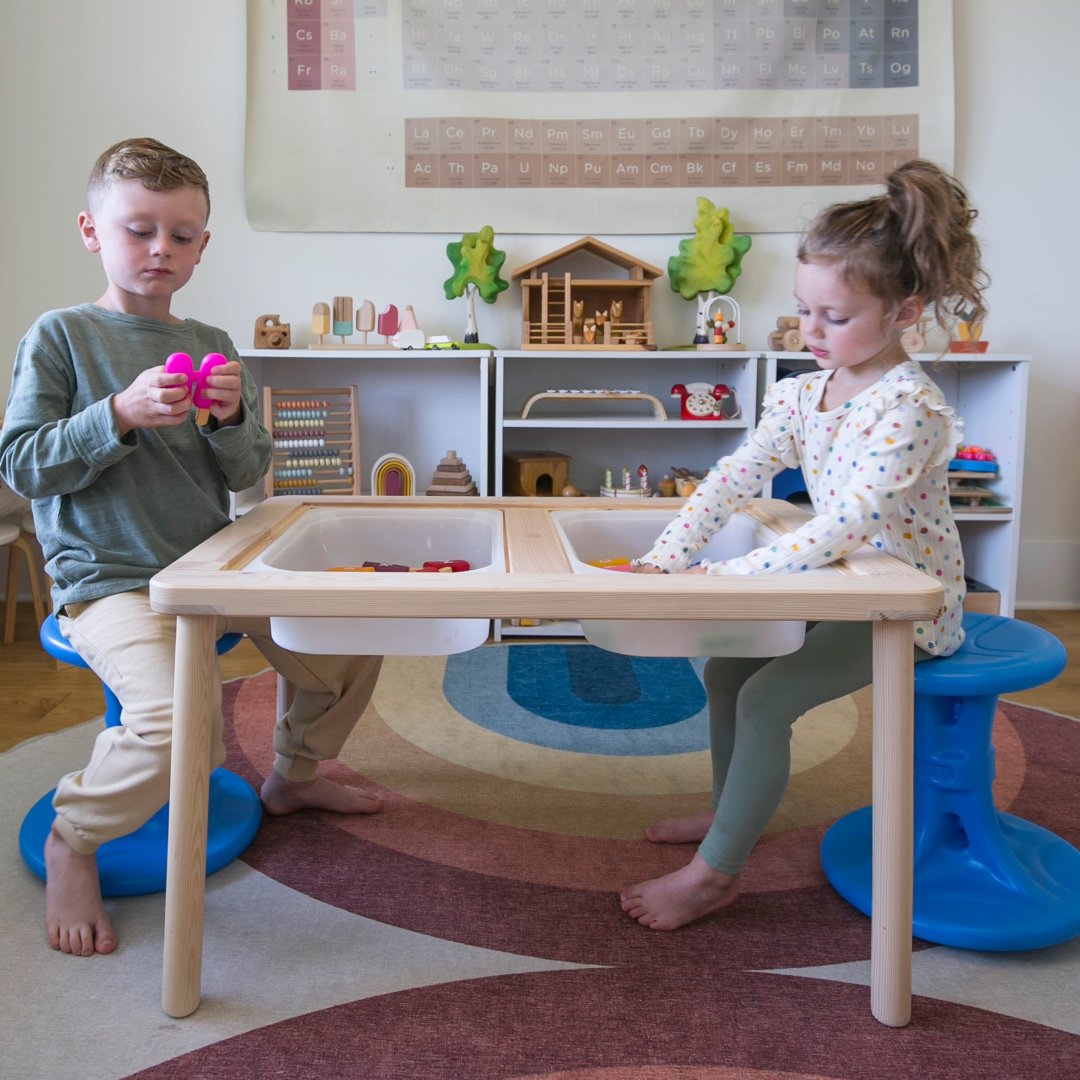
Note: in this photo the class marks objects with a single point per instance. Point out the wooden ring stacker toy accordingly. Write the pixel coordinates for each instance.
(181, 364)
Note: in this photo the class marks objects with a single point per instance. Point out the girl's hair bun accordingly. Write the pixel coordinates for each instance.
(915, 240)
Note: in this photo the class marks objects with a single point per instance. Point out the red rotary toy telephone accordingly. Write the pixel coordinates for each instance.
(703, 401)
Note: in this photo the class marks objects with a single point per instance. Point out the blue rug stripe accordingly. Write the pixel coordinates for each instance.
(476, 685)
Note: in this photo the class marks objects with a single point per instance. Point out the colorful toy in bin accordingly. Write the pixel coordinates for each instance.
(181, 364)
(450, 566)
(705, 401)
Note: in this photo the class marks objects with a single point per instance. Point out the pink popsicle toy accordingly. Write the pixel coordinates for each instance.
(181, 364)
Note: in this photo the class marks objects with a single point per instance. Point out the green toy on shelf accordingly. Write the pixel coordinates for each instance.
(476, 262)
(708, 263)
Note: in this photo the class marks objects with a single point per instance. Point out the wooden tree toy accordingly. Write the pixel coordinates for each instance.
(476, 263)
(708, 263)
(365, 319)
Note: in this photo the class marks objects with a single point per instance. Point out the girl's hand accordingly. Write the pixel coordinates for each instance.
(223, 386)
(696, 570)
(646, 568)
(155, 399)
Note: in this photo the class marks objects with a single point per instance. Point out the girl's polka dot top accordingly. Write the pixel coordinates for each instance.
(875, 469)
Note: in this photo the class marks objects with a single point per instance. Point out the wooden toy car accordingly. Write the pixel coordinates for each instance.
(787, 337)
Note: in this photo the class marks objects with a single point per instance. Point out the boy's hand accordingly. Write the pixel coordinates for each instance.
(154, 399)
(223, 386)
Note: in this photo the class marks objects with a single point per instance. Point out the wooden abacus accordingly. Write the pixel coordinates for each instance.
(316, 436)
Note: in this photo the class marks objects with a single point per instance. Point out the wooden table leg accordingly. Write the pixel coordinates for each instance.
(894, 749)
(185, 882)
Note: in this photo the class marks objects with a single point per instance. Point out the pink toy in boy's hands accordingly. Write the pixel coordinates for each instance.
(181, 364)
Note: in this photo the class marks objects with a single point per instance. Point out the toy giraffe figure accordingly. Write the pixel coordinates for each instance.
(579, 316)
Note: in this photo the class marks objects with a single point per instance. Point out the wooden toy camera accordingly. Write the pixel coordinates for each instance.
(703, 401)
(271, 332)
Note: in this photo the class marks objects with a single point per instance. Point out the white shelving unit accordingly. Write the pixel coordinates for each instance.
(990, 392)
(415, 403)
(610, 435)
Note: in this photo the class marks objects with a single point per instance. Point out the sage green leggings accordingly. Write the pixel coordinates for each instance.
(753, 703)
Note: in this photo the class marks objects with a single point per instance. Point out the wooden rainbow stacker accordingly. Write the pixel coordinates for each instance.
(535, 581)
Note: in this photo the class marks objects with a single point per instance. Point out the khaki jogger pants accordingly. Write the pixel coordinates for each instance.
(131, 648)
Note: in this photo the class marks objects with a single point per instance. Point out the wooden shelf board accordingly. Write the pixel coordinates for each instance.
(610, 423)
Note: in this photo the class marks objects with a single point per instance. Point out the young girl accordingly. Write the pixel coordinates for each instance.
(873, 437)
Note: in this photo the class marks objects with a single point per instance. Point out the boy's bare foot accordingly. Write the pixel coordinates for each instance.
(75, 917)
(280, 796)
(677, 899)
(681, 830)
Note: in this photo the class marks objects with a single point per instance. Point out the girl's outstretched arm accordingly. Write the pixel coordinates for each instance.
(893, 444)
(732, 481)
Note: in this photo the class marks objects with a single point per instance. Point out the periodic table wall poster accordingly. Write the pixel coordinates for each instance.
(576, 116)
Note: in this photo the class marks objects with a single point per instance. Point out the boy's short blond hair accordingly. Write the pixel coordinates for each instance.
(159, 167)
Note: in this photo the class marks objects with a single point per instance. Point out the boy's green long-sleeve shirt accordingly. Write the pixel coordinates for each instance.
(110, 512)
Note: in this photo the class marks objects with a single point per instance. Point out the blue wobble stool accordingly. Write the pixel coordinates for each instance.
(983, 879)
(135, 864)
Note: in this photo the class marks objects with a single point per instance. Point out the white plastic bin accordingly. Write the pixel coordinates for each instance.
(351, 536)
(591, 535)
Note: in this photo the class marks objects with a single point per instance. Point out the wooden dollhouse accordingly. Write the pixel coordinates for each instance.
(560, 312)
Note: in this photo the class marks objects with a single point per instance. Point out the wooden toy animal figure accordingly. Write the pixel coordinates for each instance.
(589, 331)
(579, 315)
(616, 318)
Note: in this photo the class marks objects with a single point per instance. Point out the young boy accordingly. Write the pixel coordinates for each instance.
(123, 483)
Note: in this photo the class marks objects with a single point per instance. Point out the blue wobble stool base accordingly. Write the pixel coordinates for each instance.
(983, 879)
(133, 865)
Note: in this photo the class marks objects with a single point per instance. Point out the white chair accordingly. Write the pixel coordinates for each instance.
(17, 535)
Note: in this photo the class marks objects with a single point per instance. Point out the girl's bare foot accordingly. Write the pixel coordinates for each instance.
(677, 899)
(681, 830)
(280, 796)
(75, 917)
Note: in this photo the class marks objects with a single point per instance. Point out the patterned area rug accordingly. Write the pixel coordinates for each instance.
(472, 929)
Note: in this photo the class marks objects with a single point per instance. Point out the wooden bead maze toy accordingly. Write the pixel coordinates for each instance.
(316, 438)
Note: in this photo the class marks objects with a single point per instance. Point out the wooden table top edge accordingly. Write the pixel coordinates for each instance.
(211, 578)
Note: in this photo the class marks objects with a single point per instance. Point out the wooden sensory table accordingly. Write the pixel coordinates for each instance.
(868, 586)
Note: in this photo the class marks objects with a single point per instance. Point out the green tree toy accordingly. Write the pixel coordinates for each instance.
(708, 263)
(476, 263)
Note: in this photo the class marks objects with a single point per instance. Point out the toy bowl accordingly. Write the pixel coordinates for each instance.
(350, 536)
(592, 535)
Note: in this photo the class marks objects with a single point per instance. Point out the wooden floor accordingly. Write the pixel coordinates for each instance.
(38, 698)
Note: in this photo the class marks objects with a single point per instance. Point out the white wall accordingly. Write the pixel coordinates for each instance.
(75, 77)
